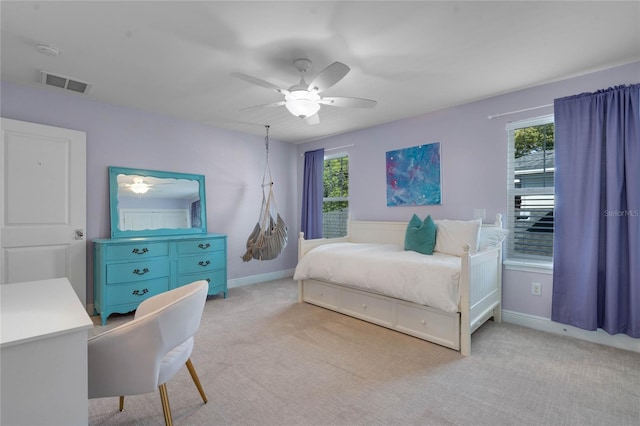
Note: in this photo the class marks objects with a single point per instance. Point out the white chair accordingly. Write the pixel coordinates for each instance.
(143, 354)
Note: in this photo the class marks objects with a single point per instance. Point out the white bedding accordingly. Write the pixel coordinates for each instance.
(386, 269)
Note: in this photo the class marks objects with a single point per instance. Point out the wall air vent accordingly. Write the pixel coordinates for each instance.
(64, 82)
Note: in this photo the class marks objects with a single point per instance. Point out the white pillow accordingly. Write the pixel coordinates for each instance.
(453, 235)
(491, 237)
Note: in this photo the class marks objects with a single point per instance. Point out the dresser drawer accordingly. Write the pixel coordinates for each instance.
(192, 264)
(137, 271)
(216, 279)
(367, 306)
(321, 294)
(437, 326)
(201, 246)
(123, 294)
(137, 251)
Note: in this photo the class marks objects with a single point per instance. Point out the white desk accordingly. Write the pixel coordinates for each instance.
(43, 354)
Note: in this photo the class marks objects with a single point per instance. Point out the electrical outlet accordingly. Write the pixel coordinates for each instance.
(479, 214)
(536, 289)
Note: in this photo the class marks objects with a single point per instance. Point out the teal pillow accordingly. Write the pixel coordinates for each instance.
(420, 236)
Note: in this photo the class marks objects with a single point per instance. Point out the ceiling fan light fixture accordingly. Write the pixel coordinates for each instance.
(139, 187)
(303, 100)
(302, 103)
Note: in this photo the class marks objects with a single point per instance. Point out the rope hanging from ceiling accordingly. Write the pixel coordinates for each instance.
(269, 236)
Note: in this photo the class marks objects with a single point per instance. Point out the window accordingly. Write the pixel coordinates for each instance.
(335, 202)
(530, 190)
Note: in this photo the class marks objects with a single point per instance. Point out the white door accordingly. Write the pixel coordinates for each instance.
(42, 204)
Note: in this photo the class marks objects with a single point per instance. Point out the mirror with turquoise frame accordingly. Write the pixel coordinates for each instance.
(146, 203)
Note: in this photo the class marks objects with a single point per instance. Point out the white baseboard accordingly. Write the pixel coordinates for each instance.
(620, 341)
(261, 278)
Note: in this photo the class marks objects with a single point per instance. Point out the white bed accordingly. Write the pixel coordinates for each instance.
(369, 275)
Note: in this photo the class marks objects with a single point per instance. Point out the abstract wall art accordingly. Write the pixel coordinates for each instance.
(413, 176)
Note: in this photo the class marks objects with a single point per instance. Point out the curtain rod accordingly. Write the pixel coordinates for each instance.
(491, 117)
(339, 147)
(333, 149)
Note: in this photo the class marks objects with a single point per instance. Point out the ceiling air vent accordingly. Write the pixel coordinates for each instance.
(64, 82)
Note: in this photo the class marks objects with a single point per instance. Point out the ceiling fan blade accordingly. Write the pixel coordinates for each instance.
(348, 102)
(274, 104)
(312, 120)
(258, 82)
(329, 76)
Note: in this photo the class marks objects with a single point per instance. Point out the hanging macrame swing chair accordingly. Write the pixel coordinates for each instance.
(269, 236)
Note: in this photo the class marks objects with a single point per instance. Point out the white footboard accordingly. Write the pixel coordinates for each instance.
(479, 287)
(480, 293)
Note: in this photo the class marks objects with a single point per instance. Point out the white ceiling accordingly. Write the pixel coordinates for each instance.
(176, 57)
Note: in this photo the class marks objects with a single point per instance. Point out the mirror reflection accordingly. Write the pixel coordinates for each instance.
(147, 202)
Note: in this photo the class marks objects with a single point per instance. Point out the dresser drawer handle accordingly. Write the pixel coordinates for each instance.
(140, 293)
(204, 246)
(203, 263)
(138, 251)
(139, 272)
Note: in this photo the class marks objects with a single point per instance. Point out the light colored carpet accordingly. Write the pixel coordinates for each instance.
(265, 359)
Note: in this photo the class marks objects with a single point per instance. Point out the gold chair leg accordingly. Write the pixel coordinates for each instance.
(196, 380)
(121, 403)
(166, 409)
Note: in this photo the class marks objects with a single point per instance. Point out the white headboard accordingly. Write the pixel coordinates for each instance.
(370, 232)
(377, 232)
(387, 232)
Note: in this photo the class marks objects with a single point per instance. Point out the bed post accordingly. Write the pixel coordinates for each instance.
(300, 254)
(498, 222)
(465, 314)
(497, 311)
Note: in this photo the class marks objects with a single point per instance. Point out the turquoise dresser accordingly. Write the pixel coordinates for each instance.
(130, 270)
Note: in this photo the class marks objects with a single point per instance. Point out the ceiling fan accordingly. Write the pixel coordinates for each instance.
(137, 185)
(303, 99)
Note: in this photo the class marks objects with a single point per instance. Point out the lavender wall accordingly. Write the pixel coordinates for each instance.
(473, 165)
(474, 154)
(231, 162)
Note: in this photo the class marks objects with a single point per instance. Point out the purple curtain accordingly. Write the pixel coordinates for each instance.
(596, 261)
(312, 194)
